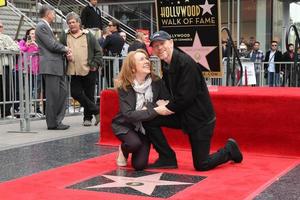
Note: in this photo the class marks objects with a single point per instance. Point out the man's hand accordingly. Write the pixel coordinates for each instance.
(163, 110)
(69, 54)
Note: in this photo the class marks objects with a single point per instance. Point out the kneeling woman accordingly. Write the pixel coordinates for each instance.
(140, 92)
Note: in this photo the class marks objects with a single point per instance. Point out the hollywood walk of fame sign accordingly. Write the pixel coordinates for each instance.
(3, 3)
(141, 183)
(194, 26)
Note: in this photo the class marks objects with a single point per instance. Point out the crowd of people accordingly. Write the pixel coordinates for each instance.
(276, 74)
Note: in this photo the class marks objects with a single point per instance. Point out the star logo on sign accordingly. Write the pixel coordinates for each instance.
(206, 7)
(144, 184)
(199, 52)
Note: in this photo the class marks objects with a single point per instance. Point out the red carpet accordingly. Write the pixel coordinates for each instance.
(265, 122)
(230, 181)
(262, 120)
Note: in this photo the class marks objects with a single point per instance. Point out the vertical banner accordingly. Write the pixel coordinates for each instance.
(194, 26)
(2, 3)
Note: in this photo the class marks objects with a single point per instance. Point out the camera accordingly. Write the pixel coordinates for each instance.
(29, 38)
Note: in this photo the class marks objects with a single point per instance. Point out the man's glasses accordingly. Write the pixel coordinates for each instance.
(274, 45)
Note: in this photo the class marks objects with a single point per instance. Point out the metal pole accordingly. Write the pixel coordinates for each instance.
(151, 17)
(228, 15)
(238, 23)
(21, 95)
(27, 99)
(232, 20)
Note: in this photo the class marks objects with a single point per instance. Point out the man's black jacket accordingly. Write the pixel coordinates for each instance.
(190, 97)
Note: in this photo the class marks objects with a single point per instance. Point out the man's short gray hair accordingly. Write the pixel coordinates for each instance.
(44, 10)
(73, 15)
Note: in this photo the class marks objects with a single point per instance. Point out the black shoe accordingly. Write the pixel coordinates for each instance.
(234, 152)
(59, 127)
(163, 164)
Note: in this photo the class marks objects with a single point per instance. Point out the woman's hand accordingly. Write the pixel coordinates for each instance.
(163, 110)
(162, 102)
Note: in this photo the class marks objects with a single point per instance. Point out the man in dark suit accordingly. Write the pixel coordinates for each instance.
(53, 70)
(91, 16)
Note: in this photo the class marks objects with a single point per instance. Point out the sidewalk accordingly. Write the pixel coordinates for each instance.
(9, 139)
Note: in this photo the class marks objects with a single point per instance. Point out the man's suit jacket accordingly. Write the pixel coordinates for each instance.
(51, 51)
(128, 115)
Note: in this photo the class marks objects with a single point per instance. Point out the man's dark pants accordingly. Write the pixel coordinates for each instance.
(83, 90)
(199, 140)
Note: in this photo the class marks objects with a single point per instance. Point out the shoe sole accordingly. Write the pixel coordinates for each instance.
(163, 167)
(235, 147)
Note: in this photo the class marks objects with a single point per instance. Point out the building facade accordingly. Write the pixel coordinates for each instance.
(248, 20)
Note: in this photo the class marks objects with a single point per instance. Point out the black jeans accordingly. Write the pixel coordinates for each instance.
(137, 144)
(83, 90)
(200, 142)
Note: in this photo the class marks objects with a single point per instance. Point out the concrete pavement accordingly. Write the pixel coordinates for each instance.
(10, 138)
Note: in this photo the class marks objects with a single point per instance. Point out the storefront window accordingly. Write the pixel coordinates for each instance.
(135, 15)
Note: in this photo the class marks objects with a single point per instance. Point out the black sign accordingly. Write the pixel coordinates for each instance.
(195, 28)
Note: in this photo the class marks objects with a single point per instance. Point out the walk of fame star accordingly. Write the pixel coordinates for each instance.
(144, 184)
(207, 7)
(141, 183)
(199, 52)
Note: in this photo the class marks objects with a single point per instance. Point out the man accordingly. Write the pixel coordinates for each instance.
(82, 66)
(189, 108)
(53, 70)
(272, 69)
(6, 43)
(91, 16)
(288, 56)
(257, 56)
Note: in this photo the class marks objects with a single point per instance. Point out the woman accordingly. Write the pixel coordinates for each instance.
(140, 91)
(29, 50)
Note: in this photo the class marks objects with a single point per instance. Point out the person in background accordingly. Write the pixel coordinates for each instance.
(257, 56)
(113, 43)
(140, 91)
(189, 108)
(112, 46)
(53, 70)
(243, 51)
(124, 51)
(138, 43)
(83, 66)
(29, 49)
(105, 33)
(6, 44)
(271, 69)
(288, 56)
(91, 16)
